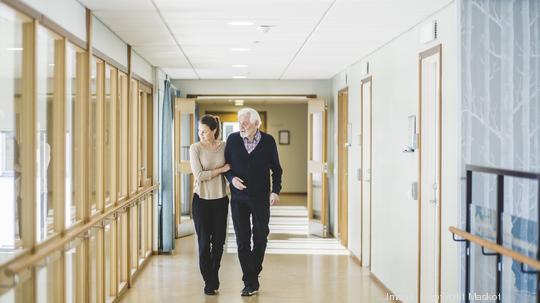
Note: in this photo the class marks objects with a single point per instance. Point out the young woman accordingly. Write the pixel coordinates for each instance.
(210, 200)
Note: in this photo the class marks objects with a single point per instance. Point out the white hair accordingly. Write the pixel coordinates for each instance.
(253, 115)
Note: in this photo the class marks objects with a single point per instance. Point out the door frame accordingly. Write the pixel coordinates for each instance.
(436, 50)
(317, 227)
(364, 81)
(343, 186)
(182, 105)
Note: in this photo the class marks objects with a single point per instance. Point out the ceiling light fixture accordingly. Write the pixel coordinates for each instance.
(239, 77)
(241, 23)
(239, 102)
(239, 65)
(15, 49)
(240, 49)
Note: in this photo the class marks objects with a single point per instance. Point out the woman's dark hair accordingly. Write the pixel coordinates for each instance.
(212, 122)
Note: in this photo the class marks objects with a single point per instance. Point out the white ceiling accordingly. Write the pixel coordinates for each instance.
(310, 39)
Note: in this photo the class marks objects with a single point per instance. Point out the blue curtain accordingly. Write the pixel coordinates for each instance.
(165, 205)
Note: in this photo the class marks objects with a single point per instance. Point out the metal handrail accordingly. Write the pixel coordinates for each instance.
(28, 260)
(534, 263)
(497, 246)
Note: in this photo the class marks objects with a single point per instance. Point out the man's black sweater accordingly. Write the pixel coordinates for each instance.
(254, 168)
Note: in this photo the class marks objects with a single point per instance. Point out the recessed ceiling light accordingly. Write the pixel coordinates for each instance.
(240, 49)
(239, 77)
(241, 23)
(239, 65)
(51, 64)
(15, 49)
(238, 102)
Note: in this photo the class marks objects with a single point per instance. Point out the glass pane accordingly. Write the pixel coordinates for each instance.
(93, 143)
(185, 141)
(92, 267)
(11, 60)
(520, 235)
(317, 137)
(47, 276)
(73, 271)
(317, 194)
(72, 72)
(122, 134)
(133, 136)
(134, 241)
(107, 135)
(122, 250)
(140, 240)
(108, 240)
(44, 110)
(483, 270)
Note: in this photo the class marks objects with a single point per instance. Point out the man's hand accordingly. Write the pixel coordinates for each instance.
(238, 183)
(274, 198)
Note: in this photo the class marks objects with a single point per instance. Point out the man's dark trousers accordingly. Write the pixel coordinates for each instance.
(251, 259)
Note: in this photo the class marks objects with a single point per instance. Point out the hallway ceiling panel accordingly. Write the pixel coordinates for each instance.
(308, 39)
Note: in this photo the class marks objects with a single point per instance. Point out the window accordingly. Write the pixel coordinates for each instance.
(46, 70)
(11, 95)
(74, 70)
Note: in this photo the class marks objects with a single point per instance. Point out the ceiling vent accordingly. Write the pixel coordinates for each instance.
(264, 28)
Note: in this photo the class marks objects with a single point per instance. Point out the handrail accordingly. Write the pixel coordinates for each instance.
(501, 171)
(28, 260)
(534, 263)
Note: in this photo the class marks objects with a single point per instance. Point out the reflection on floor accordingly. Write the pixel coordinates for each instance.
(297, 269)
(289, 234)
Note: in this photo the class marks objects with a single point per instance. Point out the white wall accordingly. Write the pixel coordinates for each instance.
(394, 69)
(319, 87)
(108, 42)
(69, 14)
(293, 157)
(141, 67)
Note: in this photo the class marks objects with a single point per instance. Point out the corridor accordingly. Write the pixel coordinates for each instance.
(398, 142)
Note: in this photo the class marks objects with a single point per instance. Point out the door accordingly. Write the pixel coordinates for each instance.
(365, 173)
(184, 132)
(317, 168)
(343, 167)
(430, 174)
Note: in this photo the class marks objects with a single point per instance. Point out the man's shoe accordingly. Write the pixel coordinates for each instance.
(210, 291)
(249, 291)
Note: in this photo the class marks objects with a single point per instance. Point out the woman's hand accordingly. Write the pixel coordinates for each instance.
(225, 168)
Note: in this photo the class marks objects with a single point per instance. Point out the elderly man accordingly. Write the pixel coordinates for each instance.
(251, 154)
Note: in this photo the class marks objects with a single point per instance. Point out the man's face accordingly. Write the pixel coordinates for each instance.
(247, 129)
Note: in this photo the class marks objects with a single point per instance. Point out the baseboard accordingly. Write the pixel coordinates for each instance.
(389, 293)
(355, 259)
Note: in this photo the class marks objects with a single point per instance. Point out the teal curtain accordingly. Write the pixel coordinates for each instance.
(166, 202)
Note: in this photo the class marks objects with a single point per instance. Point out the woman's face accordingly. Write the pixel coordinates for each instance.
(205, 133)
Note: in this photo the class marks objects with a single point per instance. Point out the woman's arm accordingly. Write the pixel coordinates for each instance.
(197, 169)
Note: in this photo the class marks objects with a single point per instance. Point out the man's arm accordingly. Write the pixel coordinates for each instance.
(276, 168)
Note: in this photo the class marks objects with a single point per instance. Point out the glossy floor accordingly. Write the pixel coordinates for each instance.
(285, 279)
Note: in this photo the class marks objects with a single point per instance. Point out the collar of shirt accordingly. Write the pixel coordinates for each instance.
(256, 138)
(250, 145)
